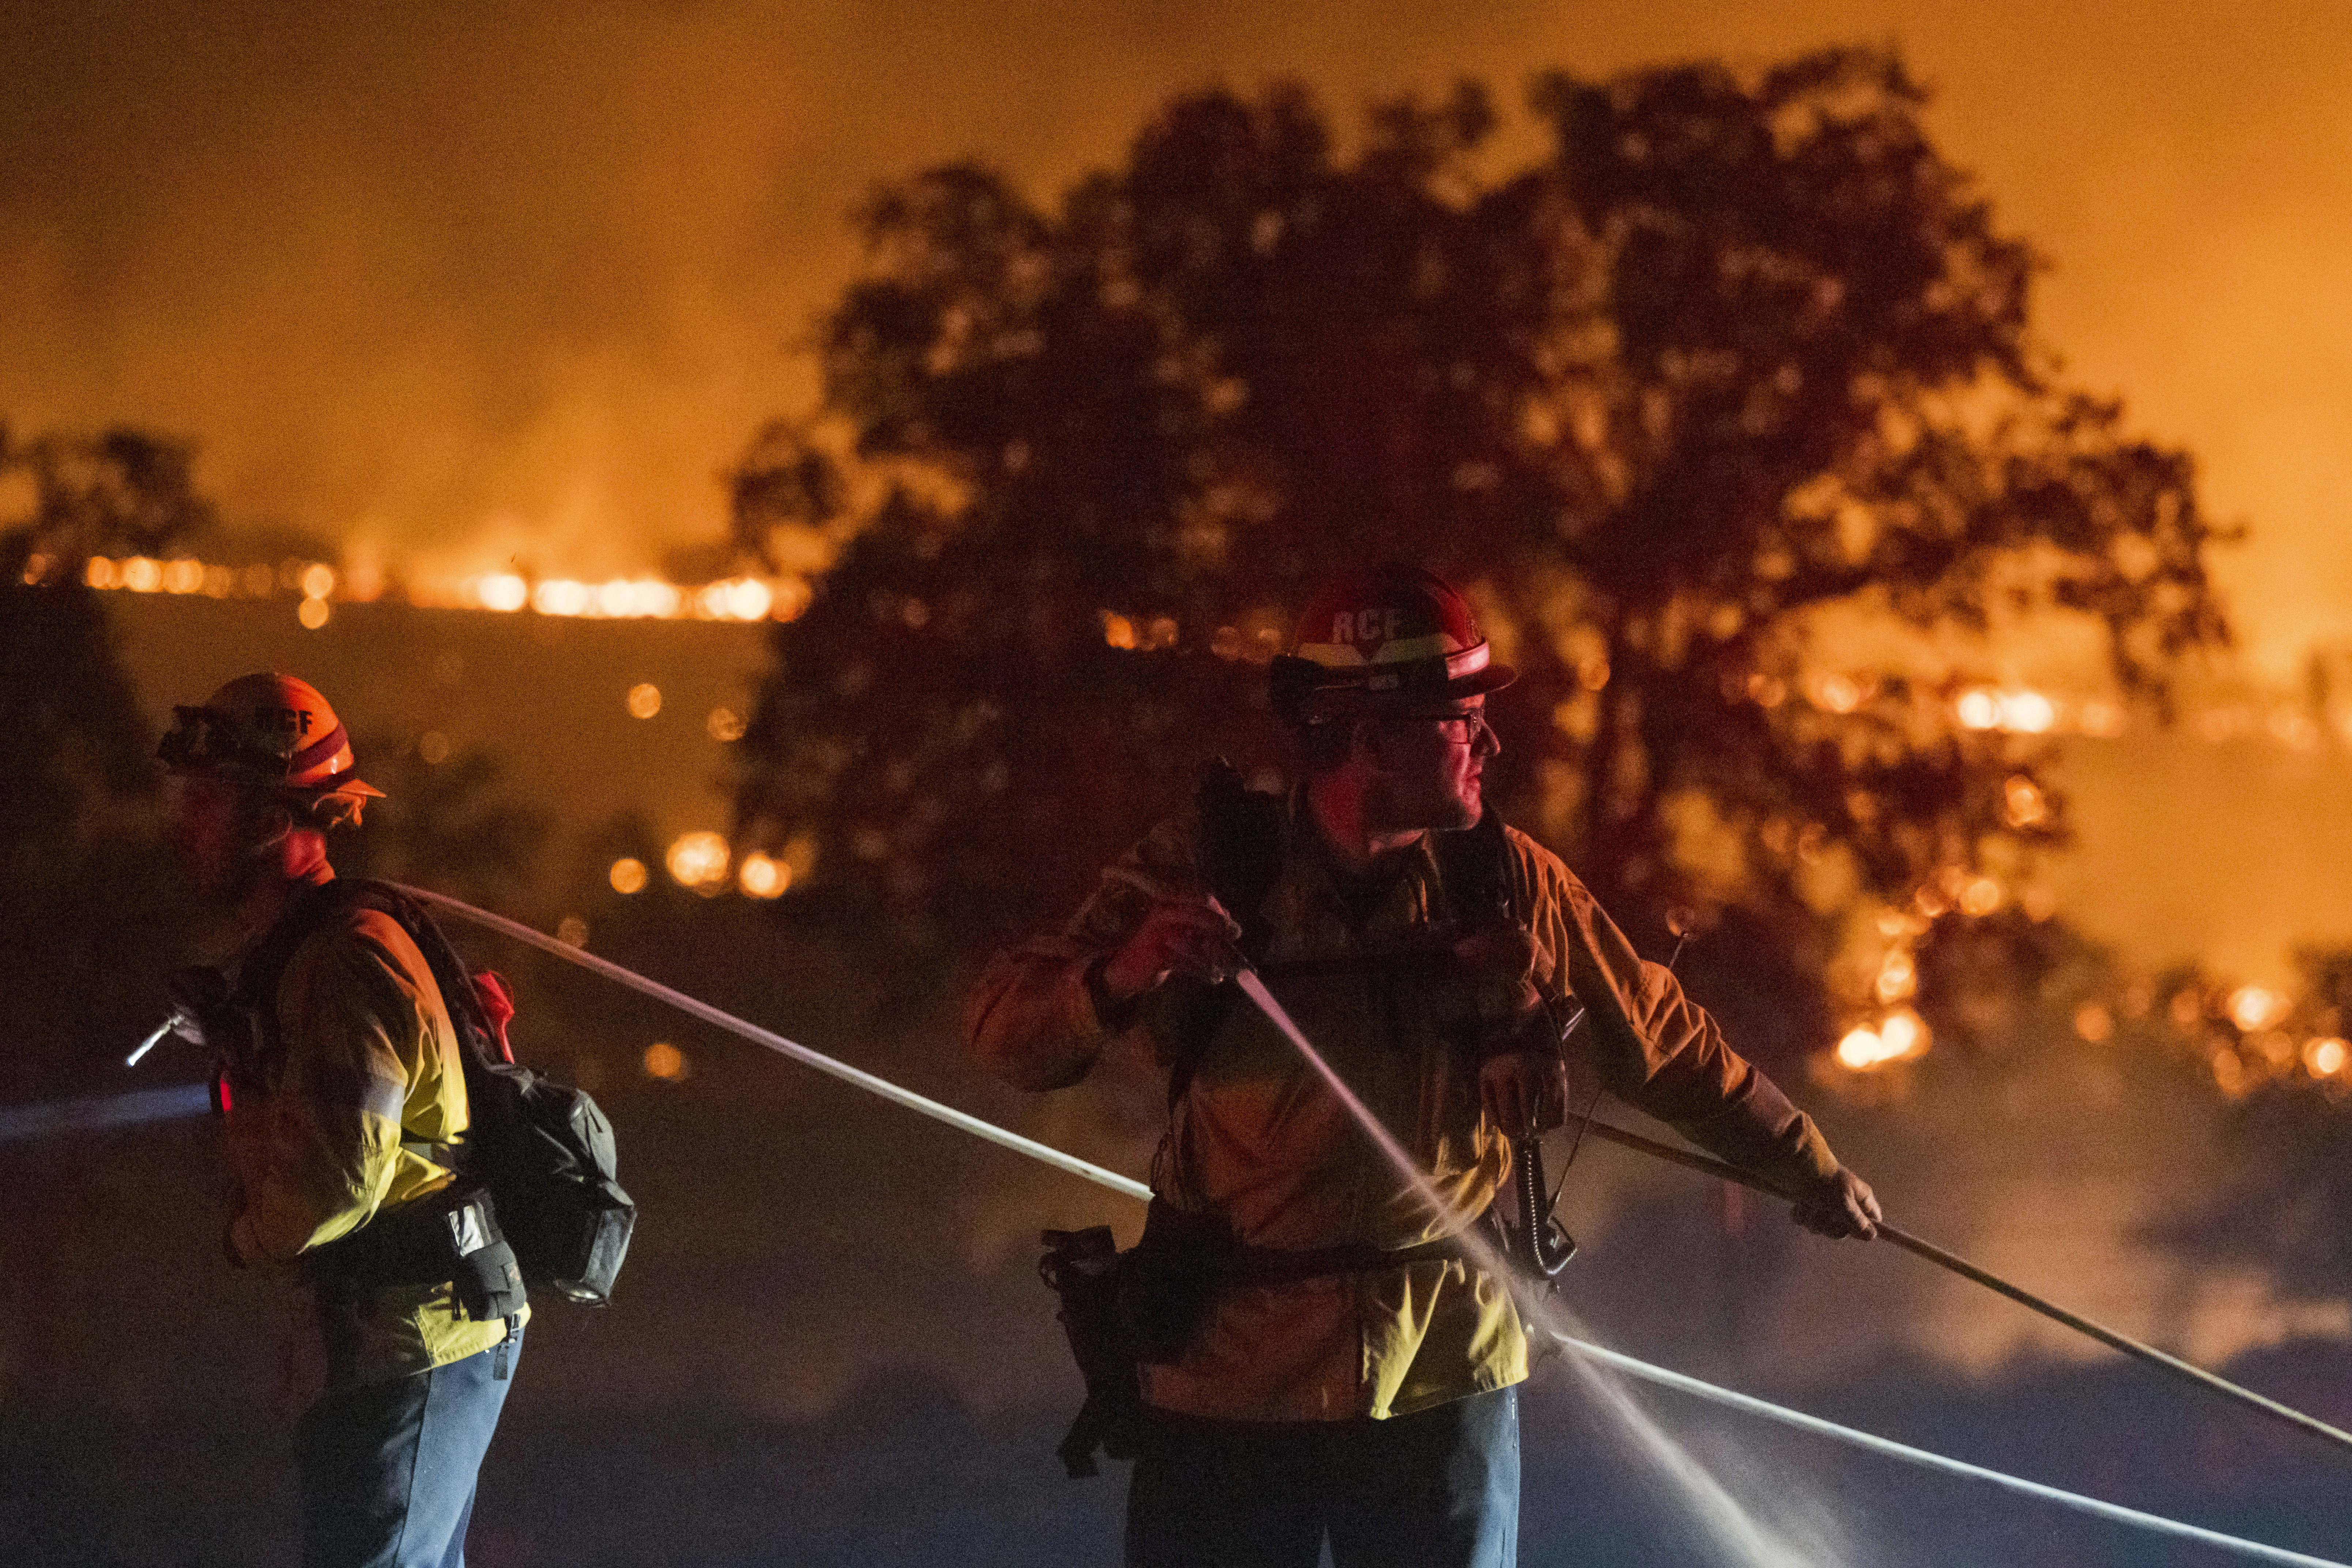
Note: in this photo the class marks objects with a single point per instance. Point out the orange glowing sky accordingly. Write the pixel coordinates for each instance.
(516, 288)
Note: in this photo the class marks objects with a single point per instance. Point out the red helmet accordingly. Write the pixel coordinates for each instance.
(1381, 636)
(275, 732)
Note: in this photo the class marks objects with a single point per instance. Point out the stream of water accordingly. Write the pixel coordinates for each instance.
(1738, 1536)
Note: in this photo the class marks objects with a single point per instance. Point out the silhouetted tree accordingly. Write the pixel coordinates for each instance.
(1733, 351)
(84, 910)
(120, 492)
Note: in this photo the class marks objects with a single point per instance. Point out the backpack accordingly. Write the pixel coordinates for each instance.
(542, 1149)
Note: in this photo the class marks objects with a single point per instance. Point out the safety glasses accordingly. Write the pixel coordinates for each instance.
(1463, 728)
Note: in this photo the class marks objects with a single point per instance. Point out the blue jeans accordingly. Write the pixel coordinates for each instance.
(1438, 1489)
(386, 1469)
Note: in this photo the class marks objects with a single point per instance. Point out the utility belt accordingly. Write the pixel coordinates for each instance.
(450, 1237)
(1122, 1310)
(1171, 1278)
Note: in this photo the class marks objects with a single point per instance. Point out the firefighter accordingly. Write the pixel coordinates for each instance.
(1317, 1359)
(345, 1096)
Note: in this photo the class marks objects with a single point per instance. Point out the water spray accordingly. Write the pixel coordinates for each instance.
(2136, 1349)
(1586, 1354)
(1871, 1441)
(1716, 1504)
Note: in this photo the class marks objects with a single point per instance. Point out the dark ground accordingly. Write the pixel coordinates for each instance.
(903, 1473)
(820, 1378)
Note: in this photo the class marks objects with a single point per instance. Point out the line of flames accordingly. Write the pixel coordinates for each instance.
(319, 584)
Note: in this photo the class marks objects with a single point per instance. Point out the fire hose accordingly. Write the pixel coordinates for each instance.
(1072, 1164)
(2135, 1349)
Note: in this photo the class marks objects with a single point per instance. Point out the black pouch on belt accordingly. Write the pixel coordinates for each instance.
(1082, 1268)
(1170, 1280)
(1122, 1309)
(451, 1237)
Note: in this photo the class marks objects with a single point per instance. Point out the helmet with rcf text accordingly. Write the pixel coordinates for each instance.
(278, 735)
(1376, 638)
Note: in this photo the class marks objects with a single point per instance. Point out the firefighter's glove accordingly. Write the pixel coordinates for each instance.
(1182, 935)
(1840, 1205)
(1524, 1091)
(200, 1007)
(1495, 971)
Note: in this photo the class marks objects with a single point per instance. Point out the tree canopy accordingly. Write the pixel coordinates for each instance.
(120, 491)
(1721, 359)
(81, 871)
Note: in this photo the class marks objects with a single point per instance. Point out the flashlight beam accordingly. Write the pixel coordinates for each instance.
(2138, 1350)
(149, 1043)
(103, 1114)
(717, 1018)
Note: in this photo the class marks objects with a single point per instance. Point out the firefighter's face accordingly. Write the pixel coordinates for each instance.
(219, 828)
(1427, 767)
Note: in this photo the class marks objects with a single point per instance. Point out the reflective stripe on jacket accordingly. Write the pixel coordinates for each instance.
(1256, 1137)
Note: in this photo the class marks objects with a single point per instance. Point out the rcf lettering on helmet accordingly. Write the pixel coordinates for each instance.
(1364, 626)
(291, 722)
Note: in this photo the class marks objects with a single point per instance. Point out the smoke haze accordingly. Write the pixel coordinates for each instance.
(514, 284)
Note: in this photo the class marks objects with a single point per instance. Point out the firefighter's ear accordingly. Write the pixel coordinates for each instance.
(261, 820)
(273, 821)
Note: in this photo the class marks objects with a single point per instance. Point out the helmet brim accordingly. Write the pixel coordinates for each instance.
(1321, 701)
(1494, 678)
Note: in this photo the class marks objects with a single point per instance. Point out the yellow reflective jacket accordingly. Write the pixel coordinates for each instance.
(368, 1058)
(1257, 1138)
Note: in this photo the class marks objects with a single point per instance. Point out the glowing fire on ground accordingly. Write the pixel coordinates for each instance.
(700, 860)
(1900, 1035)
(318, 585)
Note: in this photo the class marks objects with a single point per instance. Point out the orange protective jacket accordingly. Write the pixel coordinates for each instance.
(1257, 1138)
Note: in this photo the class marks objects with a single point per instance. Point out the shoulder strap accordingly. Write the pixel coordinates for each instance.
(450, 975)
(1244, 834)
(263, 967)
(1243, 839)
(1476, 864)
